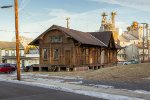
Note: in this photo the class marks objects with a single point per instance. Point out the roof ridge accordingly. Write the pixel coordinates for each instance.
(69, 29)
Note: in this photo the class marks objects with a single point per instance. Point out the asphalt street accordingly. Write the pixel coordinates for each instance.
(13, 91)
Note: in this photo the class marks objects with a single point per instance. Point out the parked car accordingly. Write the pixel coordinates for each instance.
(12, 65)
(130, 62)
(27, 68)
(7, 68)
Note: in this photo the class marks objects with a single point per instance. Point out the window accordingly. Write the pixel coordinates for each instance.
(45, 54)
(56, 39)
(6, 53)
(13, 53)
(87, 51)
(56, 54)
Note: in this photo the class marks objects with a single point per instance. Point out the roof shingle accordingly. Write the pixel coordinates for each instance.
(103, 36)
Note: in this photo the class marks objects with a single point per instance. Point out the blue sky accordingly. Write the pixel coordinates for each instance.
(35, 16)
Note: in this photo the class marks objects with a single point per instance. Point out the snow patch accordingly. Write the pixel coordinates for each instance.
(49, 80)
(106, 96)
(43, 75)
(148, 78)
(79, 82)
(66, 77)
(101, 86)
(142, 92)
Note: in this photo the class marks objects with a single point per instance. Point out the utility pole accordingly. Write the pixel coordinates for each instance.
(143, 44)
(143, 41)
(147, 33)
(17, 39)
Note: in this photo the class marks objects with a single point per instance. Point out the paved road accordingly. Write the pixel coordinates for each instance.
(13, 91)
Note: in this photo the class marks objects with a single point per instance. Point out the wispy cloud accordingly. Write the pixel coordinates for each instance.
(86, 21)
(138, 4)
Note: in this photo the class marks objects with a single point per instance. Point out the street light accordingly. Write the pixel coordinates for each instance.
(6, 6)
(17, 36)
(3, 7)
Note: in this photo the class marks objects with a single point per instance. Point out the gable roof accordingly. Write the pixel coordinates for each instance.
(103, 36)
(82, 37)
(9, 45)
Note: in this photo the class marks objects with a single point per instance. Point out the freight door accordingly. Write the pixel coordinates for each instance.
(67, 57)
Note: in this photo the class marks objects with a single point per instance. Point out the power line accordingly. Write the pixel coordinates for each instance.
(20, 32)
(23, 12)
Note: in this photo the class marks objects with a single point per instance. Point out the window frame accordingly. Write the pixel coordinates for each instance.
(45, 53)
(56, 39)
(56, 57)
(6, 52)
(12, 52)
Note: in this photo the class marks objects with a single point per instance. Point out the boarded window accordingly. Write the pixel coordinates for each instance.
(56, 54)
(45, 54)
(56, 39)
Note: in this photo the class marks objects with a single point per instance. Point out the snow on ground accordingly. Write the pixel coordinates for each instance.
(148, 78)
(101, 86)
(106, 96)
(78, 82)
(142, 91)
(75, 86)
(49, 80)
(65, 77)
(88, 93)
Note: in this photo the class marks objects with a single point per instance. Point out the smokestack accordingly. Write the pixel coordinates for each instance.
(67, 19)
(113, 14)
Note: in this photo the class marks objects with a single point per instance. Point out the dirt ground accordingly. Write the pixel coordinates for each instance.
(122, 73)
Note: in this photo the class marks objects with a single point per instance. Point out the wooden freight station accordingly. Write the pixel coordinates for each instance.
(71, 50)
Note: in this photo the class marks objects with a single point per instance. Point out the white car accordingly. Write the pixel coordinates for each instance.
(127, 63)
(130, 62)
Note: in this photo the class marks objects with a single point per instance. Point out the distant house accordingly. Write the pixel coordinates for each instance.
(132, 52)
(67, 49)
(8, 52)
(133, 46)
(32, 56)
